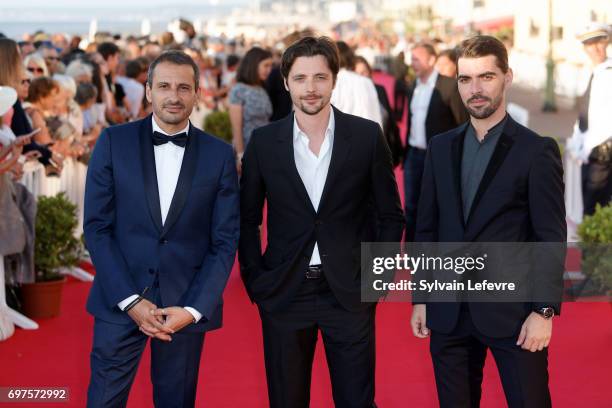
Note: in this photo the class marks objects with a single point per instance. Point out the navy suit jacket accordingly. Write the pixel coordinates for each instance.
(519, 199)
(191, 255)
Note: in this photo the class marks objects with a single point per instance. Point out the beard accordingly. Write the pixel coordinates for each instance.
(486, 110)
(173, 118)
(313, 109)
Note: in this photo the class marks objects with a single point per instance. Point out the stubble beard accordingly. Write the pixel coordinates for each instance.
(488, 110)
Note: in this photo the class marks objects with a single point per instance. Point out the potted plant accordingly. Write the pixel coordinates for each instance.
(55, 247)
(218, 124)
(596, 242)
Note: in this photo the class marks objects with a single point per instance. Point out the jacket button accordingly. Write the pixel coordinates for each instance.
(318, 222)
(151, 271)
(163, 241)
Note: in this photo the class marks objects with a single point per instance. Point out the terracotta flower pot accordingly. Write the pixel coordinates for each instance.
(42, 299)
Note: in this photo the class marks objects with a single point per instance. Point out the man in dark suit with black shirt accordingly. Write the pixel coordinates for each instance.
(491, 180)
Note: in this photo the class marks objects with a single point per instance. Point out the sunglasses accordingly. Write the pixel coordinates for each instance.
(37, 70)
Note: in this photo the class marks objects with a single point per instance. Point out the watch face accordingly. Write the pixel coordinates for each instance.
(547, 312)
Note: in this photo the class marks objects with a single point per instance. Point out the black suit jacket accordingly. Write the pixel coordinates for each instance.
(360, 177)
(446, 111)
(520, 199)
(279, 96)
(21, 126)
(390, 128)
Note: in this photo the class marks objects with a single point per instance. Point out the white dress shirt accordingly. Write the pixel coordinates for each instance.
(168, 162)
(313, 169)
(134, 92)
(600, 107)
(419, 105)
(581, 144)
(356, 95)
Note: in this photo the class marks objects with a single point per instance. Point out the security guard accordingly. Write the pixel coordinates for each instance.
(594, 126)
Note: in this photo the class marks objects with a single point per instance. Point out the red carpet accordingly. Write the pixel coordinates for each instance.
(232, 371)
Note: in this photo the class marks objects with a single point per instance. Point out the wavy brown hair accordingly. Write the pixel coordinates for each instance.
(309, 47)
(11, 65)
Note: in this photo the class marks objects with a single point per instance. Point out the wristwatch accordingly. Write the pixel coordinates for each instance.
(546, 312)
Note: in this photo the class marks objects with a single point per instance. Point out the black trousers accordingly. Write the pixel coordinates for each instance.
(290, 338)
(414, 165)
(459, 357)
(400, 98)
(596, 184)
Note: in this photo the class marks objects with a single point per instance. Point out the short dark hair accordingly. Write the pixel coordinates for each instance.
(107, 49)
(347, 55)
(309, 47)
(450, 53)
(85, 92)
(427, 47)
(360, 60)
(482, 46)
(41, 88)
(133, 68)
(177, 58)
(232, 60)
(248, 72)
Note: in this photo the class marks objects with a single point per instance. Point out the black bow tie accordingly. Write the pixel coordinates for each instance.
(180, 139)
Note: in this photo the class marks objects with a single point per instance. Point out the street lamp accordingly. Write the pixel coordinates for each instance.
(549, 94)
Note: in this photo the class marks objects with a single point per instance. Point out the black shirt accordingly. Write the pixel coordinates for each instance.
(476, 157)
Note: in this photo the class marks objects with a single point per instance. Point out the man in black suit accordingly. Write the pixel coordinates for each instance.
(491, 180)
(323, 174)
(434, 107)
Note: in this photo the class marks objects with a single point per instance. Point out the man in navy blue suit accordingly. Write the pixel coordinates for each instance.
(162, 226)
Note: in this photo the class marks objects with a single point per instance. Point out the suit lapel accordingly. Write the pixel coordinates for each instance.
(147, 159)
(499, 155)
(340, 152)
(456, 158)
(434, 101)
(287, 158)
(183, 185)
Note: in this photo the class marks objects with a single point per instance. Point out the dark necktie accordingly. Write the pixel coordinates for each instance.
(583, 108)
(180, 139)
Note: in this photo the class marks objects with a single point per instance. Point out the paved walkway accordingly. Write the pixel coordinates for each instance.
(559, 124)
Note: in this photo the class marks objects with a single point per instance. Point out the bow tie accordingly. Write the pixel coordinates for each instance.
(180, 139)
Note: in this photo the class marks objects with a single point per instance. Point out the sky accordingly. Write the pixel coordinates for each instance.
(73, 16)
(47, 4)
